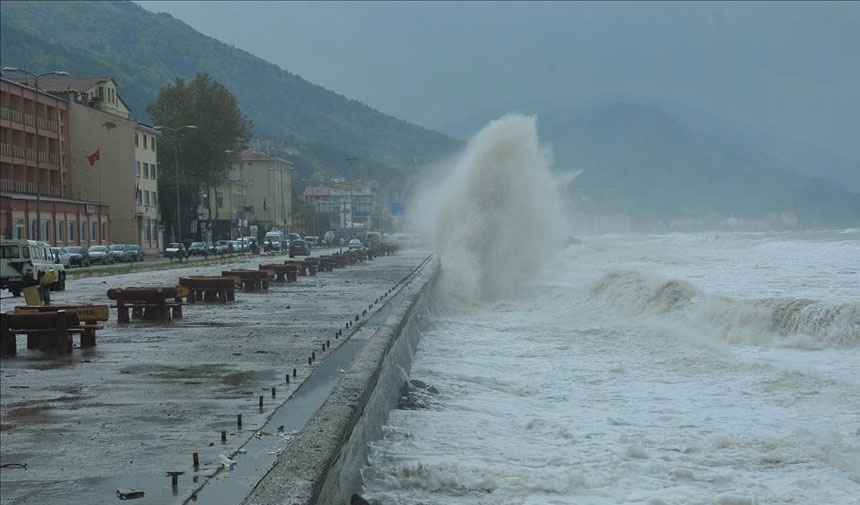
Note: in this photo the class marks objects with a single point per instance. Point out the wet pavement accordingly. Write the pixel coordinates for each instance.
(139, 404)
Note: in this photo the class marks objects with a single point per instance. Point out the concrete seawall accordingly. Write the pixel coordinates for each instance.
(322, 462)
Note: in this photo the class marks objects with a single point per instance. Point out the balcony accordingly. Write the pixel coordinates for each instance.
(27, 119)
(30, 154)
(13, 186)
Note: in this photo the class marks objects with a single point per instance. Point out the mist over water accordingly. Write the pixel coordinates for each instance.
(497, 218)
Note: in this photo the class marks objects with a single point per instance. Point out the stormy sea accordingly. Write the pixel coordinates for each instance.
(712, 368)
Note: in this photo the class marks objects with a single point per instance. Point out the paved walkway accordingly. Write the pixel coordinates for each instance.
(148, 396)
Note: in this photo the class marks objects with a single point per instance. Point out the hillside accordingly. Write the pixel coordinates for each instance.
(639, 160)
(144, 51)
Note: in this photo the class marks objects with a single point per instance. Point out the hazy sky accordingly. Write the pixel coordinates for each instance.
(792, 69)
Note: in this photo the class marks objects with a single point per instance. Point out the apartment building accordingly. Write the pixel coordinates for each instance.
(113, 159)
(269, 189)
(36, 200)
(351, 203)
(225, 208)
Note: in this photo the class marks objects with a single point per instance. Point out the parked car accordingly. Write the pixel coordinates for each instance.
(23, 263)
(134, 251)
(226, 246)
(212, 248)
(354, 244)
(60, 255)
(312, 241)
(299, 248)
(252, 244)
(175, 250)
(78, 256)
(198, 249)
(101, 254)
(235, 246)
(119, 253)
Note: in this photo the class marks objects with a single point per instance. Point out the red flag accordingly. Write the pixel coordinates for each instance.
(93, 158)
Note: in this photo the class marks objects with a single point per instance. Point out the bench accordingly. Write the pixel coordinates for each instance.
(50, 331)
(90, 317)
(209, 289)
(252, 281)
(149, 304)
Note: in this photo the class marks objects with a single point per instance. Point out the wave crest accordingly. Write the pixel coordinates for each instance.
(757, 321)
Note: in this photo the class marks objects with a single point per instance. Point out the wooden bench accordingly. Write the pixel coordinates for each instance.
(50, 331)
(252, 281)
(209, 289)
(280, 272)
(90, 317)
(149, 304)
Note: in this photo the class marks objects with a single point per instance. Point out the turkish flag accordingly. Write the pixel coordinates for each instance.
(93, 158)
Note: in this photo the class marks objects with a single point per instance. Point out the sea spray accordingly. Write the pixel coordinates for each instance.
(497, 218)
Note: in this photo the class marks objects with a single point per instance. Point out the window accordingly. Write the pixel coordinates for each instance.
(17, 229)
(146, 170)
(58, 232)
(153, 143)
(136, 142)
(45, 225)
(146, 198)
(154, 201)
(144, 141)
(139, 197)
(152, 170)
(9, 251)
(32, 231)
(94, 230)
(71, 230)
(137, 169)
(83, 231)
(104, 230)
(219, 199)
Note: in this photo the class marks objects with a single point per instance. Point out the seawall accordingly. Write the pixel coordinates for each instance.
(322, 462)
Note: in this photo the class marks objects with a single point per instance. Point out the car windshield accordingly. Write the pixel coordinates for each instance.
(117, 247)
(75, 250)
(173, 245)
(98, 248)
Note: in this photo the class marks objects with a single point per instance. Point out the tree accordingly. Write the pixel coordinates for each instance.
(204, 153)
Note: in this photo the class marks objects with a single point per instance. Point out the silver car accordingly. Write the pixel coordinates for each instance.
(100, 254)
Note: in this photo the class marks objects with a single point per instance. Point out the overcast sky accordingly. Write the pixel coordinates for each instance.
(792, 69)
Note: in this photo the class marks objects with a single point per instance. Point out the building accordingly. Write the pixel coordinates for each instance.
(36, 200)
(150, 234)
(269, 190)
(112, 158)
(352, 204)
(229, 203)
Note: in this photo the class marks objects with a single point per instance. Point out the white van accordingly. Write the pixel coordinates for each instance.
(24, 262)
(274, 241)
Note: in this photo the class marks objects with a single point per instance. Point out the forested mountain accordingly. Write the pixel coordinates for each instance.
(145, 51)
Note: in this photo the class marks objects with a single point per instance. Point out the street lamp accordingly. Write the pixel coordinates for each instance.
(176, 169)
(38, 174)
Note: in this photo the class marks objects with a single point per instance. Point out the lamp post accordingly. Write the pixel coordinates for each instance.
(176, 170)
(37, 177)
